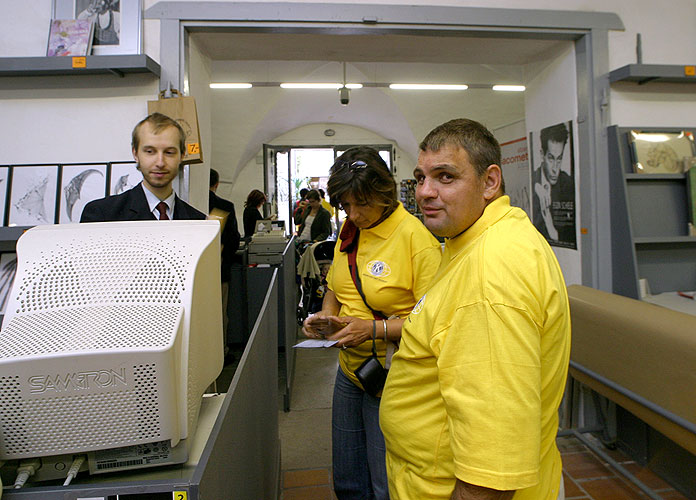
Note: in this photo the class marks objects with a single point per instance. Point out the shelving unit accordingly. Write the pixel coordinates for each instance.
(118, 65)
(645, 73)
(649, 217)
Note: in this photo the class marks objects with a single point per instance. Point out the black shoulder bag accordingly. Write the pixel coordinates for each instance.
(370, 373)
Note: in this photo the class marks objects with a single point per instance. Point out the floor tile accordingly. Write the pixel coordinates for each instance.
(672, 495)
(572, 490)
(580, 465)
(311, 493)
(610, 489)
(646, 476)
(305, 477)
(305, 439)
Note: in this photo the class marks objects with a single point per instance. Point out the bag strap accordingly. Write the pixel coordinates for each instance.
(353, 268)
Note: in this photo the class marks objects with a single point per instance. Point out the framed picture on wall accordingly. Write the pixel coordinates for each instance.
(117, 24)
(660, 152)
(8, 270)
(33, 196)
(79, 185)
(4, 176)
(124, 176)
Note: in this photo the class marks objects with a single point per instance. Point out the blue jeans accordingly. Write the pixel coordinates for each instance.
(359, 467)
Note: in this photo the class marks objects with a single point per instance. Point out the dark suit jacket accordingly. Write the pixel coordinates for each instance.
(230, 234)
(132, 205)
(320, 228)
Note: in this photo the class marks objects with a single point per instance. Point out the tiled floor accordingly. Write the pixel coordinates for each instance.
(305, 434)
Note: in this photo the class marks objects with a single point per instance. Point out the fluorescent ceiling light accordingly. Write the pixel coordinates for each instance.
(230, 85)
(334, 86)
(426, 86)
(354, 85)
(509, 88)
(650, 137)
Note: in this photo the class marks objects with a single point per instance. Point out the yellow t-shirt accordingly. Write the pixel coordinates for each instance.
(396, 260)
(327, 206)
(474, 388)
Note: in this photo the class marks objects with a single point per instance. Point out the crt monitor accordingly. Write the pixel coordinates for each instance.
(112, 333)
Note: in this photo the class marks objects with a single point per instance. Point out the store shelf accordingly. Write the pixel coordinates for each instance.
(119, 65)
(645, 73)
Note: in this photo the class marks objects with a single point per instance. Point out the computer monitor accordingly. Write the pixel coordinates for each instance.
(112, 333)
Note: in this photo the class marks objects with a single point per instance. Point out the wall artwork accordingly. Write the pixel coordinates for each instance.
(553, 184)
(80, 184)
(8, 270)
(4, 175)
(124, 176)
(33, 196)
(117, 24)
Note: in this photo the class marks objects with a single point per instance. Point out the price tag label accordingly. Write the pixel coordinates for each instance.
(690, 70)
(79, 62)
(180, 495)
(193, 148)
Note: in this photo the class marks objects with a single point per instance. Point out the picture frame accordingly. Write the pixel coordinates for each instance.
(122, 33)
(79, 185)
(70, 37)
(8, 271)
(123, 176)
(33, 195)
(655, 152)
(4, 183)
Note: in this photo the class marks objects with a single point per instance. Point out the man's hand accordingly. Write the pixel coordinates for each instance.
(467, 491)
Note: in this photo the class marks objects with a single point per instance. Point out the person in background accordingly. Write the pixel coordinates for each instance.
(229, 239)
(299, 208)
(470, 407)
(158, 145)
(251, 214)
(316, 223)
(396, 258)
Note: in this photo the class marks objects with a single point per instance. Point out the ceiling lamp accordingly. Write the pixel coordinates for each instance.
(509, 88)
(334, 86)
(426, 86)
(230, 85)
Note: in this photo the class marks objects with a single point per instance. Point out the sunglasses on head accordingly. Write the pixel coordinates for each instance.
(355, 165)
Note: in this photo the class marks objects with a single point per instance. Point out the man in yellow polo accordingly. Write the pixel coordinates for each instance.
(470, 408)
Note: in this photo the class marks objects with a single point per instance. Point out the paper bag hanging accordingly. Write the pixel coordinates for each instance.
(183, 110)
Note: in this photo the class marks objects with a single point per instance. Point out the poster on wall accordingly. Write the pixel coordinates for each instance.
(33, 196)
(553, 184)
(515, 164)
(8, 270)
(80, 184)
(4, 174)
(124, 176)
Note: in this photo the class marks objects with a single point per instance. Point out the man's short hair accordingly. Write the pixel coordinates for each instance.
(214, 177)
(303, 192)
(159, 122)
(478, 142)
(362, 173)
(555, 133)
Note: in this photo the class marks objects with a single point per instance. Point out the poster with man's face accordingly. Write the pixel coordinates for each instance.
(553, 184)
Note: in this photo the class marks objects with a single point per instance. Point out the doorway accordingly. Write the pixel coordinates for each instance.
(288, 169)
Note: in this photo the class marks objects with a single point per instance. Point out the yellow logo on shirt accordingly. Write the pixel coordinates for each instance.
(378, 268)
(419, 306)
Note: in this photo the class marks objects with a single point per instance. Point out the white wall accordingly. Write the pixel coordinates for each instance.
(551, 98)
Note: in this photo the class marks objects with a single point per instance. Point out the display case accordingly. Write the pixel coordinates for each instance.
(649, 220)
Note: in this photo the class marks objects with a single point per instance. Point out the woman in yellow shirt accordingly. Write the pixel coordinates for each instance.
(395, 259)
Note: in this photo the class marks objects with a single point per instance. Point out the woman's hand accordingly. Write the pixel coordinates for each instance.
(319, 325)
(355, 332)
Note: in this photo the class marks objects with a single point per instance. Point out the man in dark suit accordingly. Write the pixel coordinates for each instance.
(158, 144)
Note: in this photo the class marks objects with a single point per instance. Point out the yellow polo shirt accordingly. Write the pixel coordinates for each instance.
(327, 206)
(474, 388)
(396, 260)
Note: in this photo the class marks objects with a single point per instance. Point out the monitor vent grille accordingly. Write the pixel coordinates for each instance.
(109, 270)
(100, 328)
(60, 423)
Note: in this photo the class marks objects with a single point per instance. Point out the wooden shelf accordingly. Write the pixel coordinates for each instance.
(645, 73)
(118, 65)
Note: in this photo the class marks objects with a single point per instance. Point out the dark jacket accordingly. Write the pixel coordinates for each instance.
(249, 218)
(230, 234)
(132, 205)
(321, 227)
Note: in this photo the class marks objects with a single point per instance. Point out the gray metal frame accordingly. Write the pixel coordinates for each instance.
(588, 30)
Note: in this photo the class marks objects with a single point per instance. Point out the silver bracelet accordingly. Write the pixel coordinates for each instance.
(384, 322)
